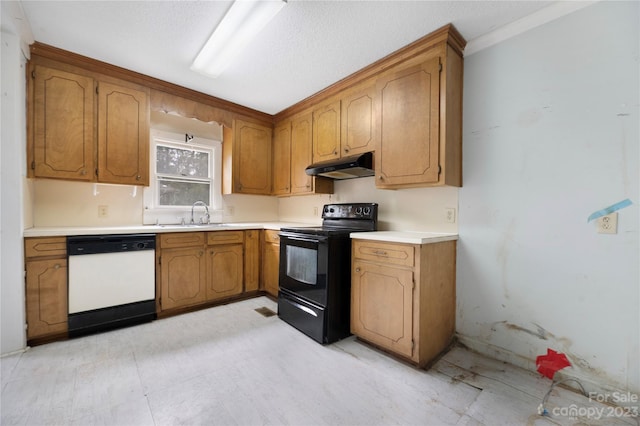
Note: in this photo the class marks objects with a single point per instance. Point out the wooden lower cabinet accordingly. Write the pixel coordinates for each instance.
(46, 286)
(196, 268)
(403, 297)
(183, 277)
(224, 271)
(271, 262)
(251, 260)
(46, 297)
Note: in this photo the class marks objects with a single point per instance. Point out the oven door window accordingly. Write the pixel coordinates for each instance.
(302, 264)
(303, 267)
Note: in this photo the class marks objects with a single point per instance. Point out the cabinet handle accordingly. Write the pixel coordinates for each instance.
(200, 253)
(380, 253)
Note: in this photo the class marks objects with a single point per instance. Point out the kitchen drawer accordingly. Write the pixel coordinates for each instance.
(394, 254)
(225, 237)
(272, 236)
(45, 247)
(181, 239)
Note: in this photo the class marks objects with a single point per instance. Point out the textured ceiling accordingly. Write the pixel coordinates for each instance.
(305, 48)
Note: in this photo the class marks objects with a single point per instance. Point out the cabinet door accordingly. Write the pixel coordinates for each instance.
(46, 297)
(358, 122)
(270, 268)
(224, 271)
(301, 154)
(63, 119)
(282, 159)
(326, 132)
(251, 260)
(382, 306)
(123, 135)
(408, 104)
(252, 158)
(183, 277)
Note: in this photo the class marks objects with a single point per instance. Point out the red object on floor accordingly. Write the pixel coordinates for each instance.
(551, 362)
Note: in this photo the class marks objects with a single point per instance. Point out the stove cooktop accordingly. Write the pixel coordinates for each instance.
(322, 230)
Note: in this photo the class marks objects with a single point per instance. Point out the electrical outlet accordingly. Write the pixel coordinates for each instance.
(231, 210)
(608, 224)
(450, 214)
(103, 211)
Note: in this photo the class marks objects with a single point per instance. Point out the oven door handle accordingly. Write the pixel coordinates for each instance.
(314, 240)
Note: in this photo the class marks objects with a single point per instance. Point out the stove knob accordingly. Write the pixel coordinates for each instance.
(358, 210)
(367, 210)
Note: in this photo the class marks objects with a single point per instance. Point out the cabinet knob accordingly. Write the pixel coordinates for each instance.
(346, 150)
(56, 266)
(381, 177)
(83, 172)
(357, 269)
(138, 177)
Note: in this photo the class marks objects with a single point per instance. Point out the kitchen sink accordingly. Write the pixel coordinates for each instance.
(194, 225)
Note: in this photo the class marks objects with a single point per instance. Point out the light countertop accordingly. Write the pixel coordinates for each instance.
(406, 237)
(57, 231)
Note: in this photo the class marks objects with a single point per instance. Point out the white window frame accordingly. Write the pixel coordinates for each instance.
(156, 213)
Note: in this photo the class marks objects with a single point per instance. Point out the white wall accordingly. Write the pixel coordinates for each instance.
(551, 134)
(12, 172)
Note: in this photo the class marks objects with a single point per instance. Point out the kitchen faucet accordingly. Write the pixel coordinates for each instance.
(207, 216)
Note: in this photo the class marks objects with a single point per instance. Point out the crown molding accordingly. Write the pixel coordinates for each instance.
(536, 19)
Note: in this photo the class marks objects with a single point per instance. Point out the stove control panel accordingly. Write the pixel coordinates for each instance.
(350, 211)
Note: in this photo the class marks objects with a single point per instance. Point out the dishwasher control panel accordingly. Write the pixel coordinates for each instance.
(95, 244)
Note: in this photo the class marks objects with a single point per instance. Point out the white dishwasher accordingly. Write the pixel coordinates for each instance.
(111, 281)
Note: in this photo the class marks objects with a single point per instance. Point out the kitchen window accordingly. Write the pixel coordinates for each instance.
(184, 169)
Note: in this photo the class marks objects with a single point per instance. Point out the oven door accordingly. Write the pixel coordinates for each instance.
(304, 266)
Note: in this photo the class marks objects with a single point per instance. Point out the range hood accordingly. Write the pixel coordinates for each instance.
(344, 168)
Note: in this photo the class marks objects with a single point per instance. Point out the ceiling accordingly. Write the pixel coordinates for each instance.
(308, 46)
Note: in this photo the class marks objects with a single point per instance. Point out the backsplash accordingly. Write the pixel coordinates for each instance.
(66, 203)
(417, 209)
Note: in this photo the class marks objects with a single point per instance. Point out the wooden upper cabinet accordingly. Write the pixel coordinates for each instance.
(408, 133)
(78, 135)
(123, 135)
(301, 154)
(250, 158)
(358, 122)
(63, 125)
(406, 107)
(293, 152)
(282, 159)
(326, 132)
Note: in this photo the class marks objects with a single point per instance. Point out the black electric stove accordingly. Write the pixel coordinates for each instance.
(315, 271)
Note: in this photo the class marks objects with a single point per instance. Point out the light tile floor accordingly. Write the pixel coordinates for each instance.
(230, 365)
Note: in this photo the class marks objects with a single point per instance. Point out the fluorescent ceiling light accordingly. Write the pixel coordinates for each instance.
(244, 20)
